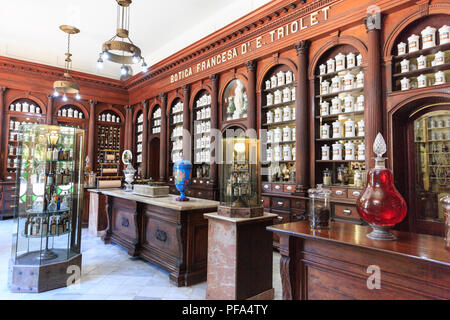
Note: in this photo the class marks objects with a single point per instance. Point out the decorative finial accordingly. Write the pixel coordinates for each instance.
(379, 148)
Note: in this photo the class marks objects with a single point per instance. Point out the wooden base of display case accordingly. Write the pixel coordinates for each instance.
(7, 205)
(250, 212)
(52, 274)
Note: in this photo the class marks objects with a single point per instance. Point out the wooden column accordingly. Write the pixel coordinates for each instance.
(128, 127)
(144, 138)
(163, 142)
(251, 94)
(213, 172)
(373, 113)
(49, 118)
(301, 117)
(2, 129)
(91, 133)
(186, 124)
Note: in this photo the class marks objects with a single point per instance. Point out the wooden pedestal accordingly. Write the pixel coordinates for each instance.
(239, 258)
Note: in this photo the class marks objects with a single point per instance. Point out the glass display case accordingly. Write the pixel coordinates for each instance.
(48, 207)
(240, 194)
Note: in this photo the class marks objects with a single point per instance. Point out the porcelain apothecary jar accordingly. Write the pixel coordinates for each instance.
(421, 62)
(422, 81)
(277, 96)
(38, 110)
(267, 84)
(325, 108)
(113, 118)
(413, 43)
(273, 81)
(349, 128)
(294, 150)
(269, 98)
(360, 103)
(281, 80)
(439, 78)
(336, 84)
(293, 94)
(269, 116)
(361, 151)
(336, 106)
(277, 135)
(325, 87)
(351, 60)
(401, 48)
(337, 129)
(287, 134)
(75, 114)
(11, 107)
(59, 113)
(359, 59)
(349, 81)
(286, 94)
(405, 85)
(278, 114)
(18, 106)
(360, 80)
(428, 37)
(25, 107)
(331, 66)
(325, 152)
(322, 69)
(289, 77)
(404, 65)
(444, 34)
(340, 61)
(439, 58)
(293, 113)
(361, 126)
(32, 108)
(325, 131)
(287, 113)
(349, 102)
(108, 117)
(349, 151)
(269, 136)
(287, 152)
(269, 154)
(64, 114)
(337, 151)
(277, 153)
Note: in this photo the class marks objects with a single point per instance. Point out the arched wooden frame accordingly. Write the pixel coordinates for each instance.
(28, 96)
(109, 107)
(171, 103)
(152, 106)
(407, 21)
(231, 125)
(226, 81)
(137, 108)
(195, 91)
(349, 40)
(77, 104)
(269, 66)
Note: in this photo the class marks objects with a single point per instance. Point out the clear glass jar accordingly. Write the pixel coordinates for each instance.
(319, 212)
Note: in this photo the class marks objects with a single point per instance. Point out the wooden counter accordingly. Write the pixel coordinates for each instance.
(171, 234)
(333, 264)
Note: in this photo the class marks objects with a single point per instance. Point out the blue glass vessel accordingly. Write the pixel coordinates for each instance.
(182, 173)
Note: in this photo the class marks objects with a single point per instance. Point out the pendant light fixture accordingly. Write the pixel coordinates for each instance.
(120, 49)
(67, 85)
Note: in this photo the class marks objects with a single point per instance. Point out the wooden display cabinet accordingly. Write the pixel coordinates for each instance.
(154, 141)
(175, 139)
(138, 139)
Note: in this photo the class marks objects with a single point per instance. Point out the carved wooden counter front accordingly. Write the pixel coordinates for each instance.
(333, 264)
(171, 234)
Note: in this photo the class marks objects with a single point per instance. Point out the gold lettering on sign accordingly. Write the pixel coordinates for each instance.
(290, 28)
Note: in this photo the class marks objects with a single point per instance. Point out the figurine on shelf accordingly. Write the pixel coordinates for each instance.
(285, 172)
(231, 108)
(238, 100)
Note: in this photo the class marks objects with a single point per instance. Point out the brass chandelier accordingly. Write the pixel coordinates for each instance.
(67, 85)
(122, 51)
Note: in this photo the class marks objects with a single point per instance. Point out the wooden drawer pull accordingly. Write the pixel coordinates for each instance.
(280, 203)
(289, 188)
(266, 186)
(280, 218)
(347, 212)
(356, 193)
(277, 187)
(339, 192)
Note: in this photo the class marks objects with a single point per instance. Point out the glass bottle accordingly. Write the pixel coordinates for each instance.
(319, 212)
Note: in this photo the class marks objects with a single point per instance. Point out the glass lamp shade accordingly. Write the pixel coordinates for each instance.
(380, 204)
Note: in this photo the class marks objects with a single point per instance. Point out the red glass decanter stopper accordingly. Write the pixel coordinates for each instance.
(380, 204)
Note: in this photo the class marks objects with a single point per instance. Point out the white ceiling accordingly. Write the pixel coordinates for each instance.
(29, 29)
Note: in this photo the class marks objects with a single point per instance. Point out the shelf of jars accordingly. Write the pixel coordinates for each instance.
(423, 61)
(109, 130)
(339, 122)
(155, 123)
(138, 140)
(202, 128)
(176, 134)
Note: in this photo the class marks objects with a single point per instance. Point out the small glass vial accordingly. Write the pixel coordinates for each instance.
(325, 152)
(337, 151)
(401, 48)
(340, 62)
(337, 129)
(404, 65)
(361, 151)
(349, 128)
(331, 66)
(325, 131)
(428, 37)
(405, 85)
(325, 108)
(444, 34)
(413, 43)
(421, 62)
(351, 60)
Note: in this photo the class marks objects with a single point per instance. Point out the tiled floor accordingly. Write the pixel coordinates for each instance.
(108, 273)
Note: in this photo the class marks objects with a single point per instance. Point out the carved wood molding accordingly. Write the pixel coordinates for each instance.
(302, 47)
(285, 277)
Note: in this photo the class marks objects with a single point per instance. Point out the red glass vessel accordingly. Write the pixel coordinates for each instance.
(380, 204)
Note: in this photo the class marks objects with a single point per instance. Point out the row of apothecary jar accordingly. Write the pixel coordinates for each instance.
(203, 101)
(203, 142)
(178, 118)
(157, 122)
(177, 132)
(423, 81)
(202, 127)
(277, 135)
(176, 156)
(434, 123)
(287, 95)
(406, 66)
(24, 107)
(428, 39)
(177, 145)
(347, 129)
(280, 79)
(139, 138)
(139, 158)
(140, 119)
(15, 125)
(281, 153)
(439, 135)
(342, 83)
(337, 107)
(202, 156)
(280, 114)
(108, 117)
(157, 113)
(339, 63)
(177, 107)
(140, 128)
(344, 151)
(71, 113)
(204, 113)
(342, 176)
(139, 147)
(156, 130)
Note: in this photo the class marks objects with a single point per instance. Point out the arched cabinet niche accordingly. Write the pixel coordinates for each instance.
(138, 139)
(234, 101)
(175, 133)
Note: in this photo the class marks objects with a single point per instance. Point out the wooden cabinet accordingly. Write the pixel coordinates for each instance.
(7, 203)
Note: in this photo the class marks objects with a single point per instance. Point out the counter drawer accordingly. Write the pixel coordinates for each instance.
(283, 217)
(277, 187)
(300, 205)
(339, 192)
(347, 212)
(266, 187)
(281, 203)
(162, 235)
(354, 193)
(289, 188)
